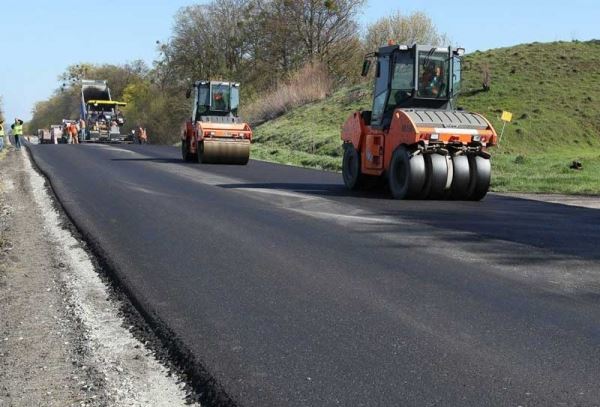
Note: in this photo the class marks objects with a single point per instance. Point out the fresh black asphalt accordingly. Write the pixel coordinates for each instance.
(291, 291)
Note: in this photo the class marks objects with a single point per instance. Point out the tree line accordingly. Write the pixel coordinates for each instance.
(260, 43)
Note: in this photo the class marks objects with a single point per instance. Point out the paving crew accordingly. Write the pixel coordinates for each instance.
(17, 131)
(1, 135)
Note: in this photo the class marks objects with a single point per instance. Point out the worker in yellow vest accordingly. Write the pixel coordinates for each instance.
(17, 131)
(1, 135)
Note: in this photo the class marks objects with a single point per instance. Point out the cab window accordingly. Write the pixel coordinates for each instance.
(381, 90)
(433, 74)
(402, 80)
(220, 98)
(235, 99)
(203, 100)
(456, 74)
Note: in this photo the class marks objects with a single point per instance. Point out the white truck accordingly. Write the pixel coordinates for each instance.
(44, 136)
(56, 134)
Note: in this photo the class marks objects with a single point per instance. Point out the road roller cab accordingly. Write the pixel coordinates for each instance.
(214, 133)
(414, 136)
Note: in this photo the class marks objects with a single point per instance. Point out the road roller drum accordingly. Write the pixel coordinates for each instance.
(224, 152)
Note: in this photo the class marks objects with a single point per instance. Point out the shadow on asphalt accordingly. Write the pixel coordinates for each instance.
(173, 161)
(562, 229)
(336, 190)
(152, 160)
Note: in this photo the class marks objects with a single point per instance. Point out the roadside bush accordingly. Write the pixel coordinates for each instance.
(309, 84)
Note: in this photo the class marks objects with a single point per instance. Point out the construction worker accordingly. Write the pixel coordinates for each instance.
(142, 135)
(1, 135)
(17, 131)
(67, 133)
(73, 132)
(82, 125)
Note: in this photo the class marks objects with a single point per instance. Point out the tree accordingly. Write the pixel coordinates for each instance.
(321, 25)
(271, 40)
(161, 113)
(259, 42)
(209, 40)
(416, 28)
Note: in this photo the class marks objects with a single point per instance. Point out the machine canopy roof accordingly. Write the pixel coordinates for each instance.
(106, 102)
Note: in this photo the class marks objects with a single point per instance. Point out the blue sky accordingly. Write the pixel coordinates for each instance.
(39, 39)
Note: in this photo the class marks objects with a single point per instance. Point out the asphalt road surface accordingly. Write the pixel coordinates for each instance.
(291, 291)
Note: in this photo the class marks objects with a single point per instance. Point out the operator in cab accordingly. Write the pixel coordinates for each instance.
(433, 81)
(219, 101)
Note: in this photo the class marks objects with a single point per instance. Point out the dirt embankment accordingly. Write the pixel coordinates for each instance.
(62, 341)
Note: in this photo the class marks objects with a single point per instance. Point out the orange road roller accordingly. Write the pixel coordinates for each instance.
(414, 137)
(215, 134)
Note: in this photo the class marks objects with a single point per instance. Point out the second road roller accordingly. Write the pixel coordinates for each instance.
(415, 137)
(214, 133)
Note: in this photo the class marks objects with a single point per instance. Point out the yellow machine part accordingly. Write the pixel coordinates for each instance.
(220, 151)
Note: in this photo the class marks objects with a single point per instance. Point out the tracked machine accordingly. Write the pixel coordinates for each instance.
(415, 138)
(215, 133)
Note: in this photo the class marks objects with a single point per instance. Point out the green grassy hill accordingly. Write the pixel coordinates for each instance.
(552, 89)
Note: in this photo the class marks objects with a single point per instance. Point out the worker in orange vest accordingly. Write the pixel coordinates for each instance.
(73, 131)
(142, 135)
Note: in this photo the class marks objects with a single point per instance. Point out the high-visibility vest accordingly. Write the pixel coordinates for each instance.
(18, 130)
(1, 130)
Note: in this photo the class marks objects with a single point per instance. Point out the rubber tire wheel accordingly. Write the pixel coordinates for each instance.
(437, 177)
(481, 175)
(461, 187)
(199, 151)
(185, 152)
(353, 178)
(406, 175)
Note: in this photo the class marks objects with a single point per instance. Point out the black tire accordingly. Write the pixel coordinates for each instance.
(406, 175)
(353, 177)
(199, 151)
(461, 187)
(437, 176)
(185, 152)
(481, 175)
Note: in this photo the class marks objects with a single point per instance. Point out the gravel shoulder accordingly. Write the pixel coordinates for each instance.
(63, 338)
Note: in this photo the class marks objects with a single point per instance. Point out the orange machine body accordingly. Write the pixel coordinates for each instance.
(426, 128)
